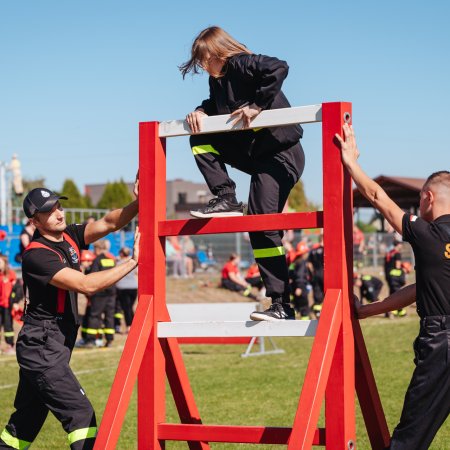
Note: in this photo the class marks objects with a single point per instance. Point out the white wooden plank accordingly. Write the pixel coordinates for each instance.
(269, 118)
(202, 312)
(237, 329)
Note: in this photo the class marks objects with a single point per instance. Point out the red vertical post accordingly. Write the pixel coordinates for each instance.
(152, 279)
(338, 261)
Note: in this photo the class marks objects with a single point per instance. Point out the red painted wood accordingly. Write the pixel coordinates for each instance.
(317, 372)
(368, 396)
(215, 340)
(229, 433)
(264, 222)
(126, 375)
(181, 389)
(338, 244)
(152, 278)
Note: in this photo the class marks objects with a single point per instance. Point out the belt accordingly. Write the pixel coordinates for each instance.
(441, 321)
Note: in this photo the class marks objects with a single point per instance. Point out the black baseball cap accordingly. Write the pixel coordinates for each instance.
(40, 200)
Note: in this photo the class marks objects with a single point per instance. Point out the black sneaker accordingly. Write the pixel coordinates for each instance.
(219, 207)
(276, 311)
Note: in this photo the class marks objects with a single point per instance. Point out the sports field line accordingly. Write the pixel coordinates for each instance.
(78, 372)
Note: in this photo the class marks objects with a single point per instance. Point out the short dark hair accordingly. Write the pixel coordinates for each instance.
(441, 175)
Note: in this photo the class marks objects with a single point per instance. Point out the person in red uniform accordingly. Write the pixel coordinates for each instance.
(52, 277)
(427, 400)
(9, 298)
(232, 278)
(243, 84)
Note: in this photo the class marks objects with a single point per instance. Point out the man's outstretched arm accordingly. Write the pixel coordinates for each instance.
(369, 188)
(113, 221)
(398, 300)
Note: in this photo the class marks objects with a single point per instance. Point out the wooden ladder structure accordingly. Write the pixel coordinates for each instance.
(338, 364)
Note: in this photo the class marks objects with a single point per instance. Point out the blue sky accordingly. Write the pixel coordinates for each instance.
(77, 77)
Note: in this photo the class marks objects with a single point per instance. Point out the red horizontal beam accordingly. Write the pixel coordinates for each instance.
(230, 433)
(261, 222)
(214, 340)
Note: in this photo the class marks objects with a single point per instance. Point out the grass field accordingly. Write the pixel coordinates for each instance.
(233, 390)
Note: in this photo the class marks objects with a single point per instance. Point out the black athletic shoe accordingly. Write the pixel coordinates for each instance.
(276, 311)
(219, 207)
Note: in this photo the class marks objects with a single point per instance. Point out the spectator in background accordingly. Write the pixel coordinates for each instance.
(369, 287)
(358, 247)
(315, 264)
(232, 278)
(25, 238)
(102, 302)
(126, 288)
(394, 273)
(190, 254)
(9, 298)
(300, 278)
(253, 277)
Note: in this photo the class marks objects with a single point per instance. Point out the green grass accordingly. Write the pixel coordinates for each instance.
(237, 391)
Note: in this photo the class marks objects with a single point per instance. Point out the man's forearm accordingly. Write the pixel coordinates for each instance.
(400, 299)
(97, 281)
(118, 218)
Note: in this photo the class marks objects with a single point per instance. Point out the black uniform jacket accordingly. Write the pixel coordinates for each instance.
(255, 79)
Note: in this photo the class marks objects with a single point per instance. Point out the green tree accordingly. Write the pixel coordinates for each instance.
(115, 195)
(75, 199)
(298, 201)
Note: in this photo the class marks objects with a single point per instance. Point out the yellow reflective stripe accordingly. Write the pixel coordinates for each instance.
(396, 272)
(109, 330)
(90, 330)
(82, 433)
(14, 442)
(8, 333)
(199, 149)
(107, 263)
(366, 277)
(118, 316)
(317, 307)
(269, 252)
(257, 129)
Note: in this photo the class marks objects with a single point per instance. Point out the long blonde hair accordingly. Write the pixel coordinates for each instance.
(215, 42)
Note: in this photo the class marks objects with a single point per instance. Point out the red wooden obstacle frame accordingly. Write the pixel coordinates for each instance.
(338, 363)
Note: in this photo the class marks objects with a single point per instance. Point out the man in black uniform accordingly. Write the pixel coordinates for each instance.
(315, 260)
(51, 273)
(101, 303)
(427, 401)
(393, 272)
(369, 287)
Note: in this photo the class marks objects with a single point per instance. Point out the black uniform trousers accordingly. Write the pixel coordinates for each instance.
(127, 298)
(427, 400)
(272, 178)
(101, 305)
(7, 324)
(47, 383)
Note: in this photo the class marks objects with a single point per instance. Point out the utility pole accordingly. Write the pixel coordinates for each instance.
(14, 168)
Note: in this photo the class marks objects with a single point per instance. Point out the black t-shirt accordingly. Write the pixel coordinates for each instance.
(430, 242)
(316, 258)
(39, 266)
